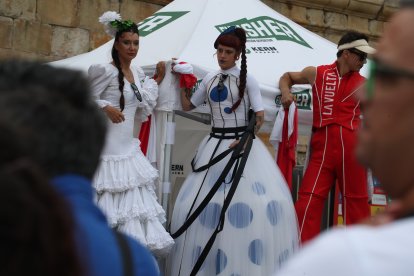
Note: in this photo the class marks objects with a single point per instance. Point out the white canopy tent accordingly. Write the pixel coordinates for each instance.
(187, 29)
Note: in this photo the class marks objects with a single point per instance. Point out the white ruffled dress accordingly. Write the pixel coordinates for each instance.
(125, 179)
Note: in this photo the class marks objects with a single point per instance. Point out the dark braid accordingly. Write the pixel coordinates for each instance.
(117, 63)
(241, 34)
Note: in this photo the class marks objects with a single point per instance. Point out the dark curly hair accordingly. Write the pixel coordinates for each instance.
(349, 37)
(54, 108)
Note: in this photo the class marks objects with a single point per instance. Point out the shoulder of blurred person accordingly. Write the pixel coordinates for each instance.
(357, 250)
(65, 132)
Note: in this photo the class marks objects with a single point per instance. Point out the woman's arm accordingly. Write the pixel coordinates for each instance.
(259, 120)
(159, 72)
(149, 90)
(187, 82)
(186, 103)
(100, 78)
(256, 101)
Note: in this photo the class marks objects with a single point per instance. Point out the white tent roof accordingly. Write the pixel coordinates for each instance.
(187, 29)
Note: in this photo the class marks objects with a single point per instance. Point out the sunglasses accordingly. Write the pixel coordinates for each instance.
(378, 69)
(220, 84)
(361, 55)
(136, 92)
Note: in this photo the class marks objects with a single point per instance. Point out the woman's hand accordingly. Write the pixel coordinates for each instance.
(114, 114)
(259, 121)
(160, 72)
(234, 143)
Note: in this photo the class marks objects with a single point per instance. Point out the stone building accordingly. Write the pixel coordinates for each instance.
(56, 29)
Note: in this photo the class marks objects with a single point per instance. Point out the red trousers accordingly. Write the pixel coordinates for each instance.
(332, 158)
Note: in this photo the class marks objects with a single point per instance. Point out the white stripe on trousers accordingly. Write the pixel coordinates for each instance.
(343, 176)
(316, 180)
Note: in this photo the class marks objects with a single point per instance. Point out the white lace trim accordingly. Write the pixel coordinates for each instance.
(118, 173)
(150, 96)
(137, 213)
(151, 233)
(140, 203)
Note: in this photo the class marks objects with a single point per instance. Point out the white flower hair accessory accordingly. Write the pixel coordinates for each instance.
(113, 23)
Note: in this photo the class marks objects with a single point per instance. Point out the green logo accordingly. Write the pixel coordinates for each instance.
(265, 27)
(157, 21)
(303, 99)
(195, 87)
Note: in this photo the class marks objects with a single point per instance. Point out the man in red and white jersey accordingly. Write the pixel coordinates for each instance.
(336, 117)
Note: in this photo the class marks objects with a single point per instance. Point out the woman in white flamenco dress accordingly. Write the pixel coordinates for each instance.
(260, 231)
(125, 180)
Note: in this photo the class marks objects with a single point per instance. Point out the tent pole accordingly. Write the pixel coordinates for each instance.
(166, 174)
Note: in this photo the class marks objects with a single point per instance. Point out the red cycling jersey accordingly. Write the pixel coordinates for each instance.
(334, 100)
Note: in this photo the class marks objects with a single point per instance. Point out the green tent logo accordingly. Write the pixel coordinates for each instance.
(303, 99)
(157, 21)
(195, 87)
(265, 27)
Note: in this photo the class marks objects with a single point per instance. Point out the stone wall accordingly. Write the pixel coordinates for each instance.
(331, 18)
(56, 29)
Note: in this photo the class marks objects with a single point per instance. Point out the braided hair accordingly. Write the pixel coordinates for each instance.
(117, 62)
(235, 37)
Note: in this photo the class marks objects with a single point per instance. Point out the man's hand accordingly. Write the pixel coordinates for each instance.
(287, 99)
(306, 76)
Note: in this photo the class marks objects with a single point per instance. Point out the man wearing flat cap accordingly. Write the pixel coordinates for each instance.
(336, 118)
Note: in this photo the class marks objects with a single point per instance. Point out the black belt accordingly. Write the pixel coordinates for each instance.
(223, 133)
